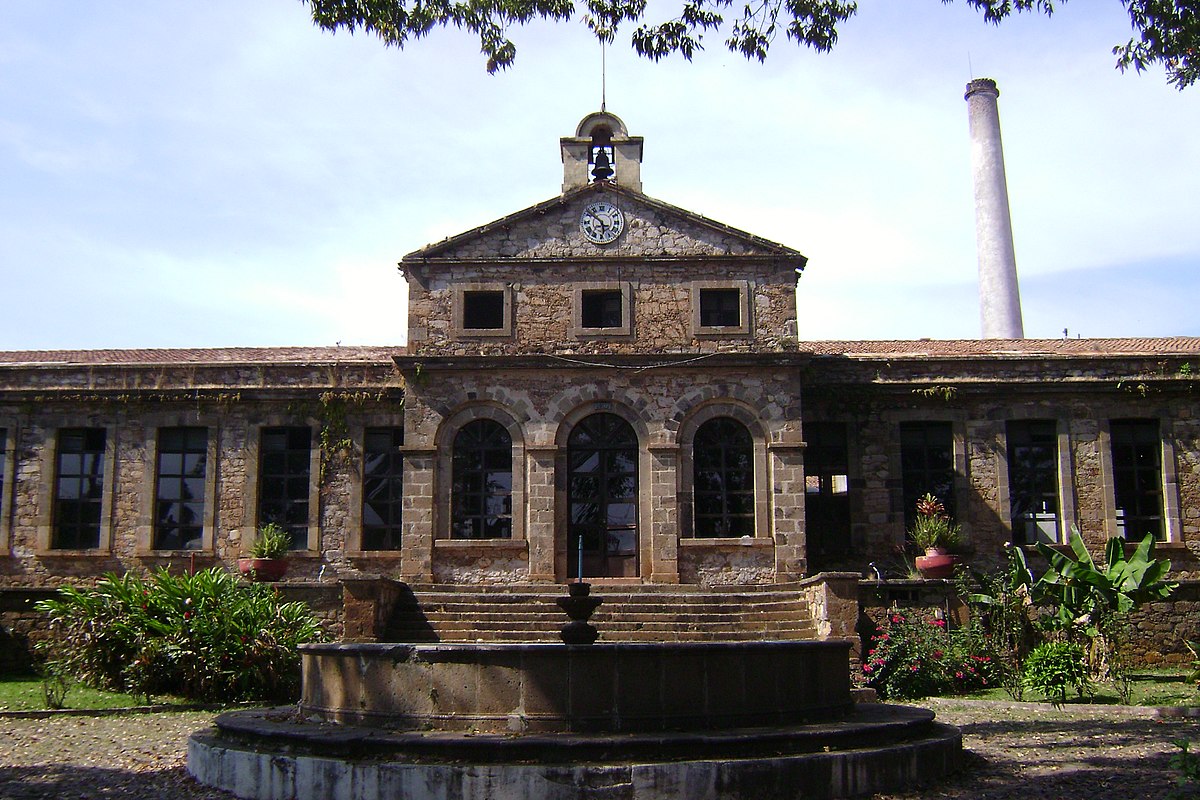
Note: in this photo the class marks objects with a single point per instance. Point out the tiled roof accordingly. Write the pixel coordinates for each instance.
(216, 355)
(915, 348)
(1012, 348)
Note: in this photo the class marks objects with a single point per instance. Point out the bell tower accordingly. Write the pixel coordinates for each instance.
(601, 150)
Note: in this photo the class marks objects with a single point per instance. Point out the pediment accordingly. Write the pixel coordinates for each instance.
(550, 230)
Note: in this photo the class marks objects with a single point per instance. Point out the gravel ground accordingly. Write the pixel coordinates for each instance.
(1015, 751)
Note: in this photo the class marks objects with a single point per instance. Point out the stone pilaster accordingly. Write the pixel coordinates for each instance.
(787, 492)
(539, 494)
(416, 562)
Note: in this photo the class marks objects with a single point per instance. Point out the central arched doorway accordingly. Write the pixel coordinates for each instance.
(602, 498)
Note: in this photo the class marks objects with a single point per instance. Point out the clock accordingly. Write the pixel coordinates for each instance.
(601, 222)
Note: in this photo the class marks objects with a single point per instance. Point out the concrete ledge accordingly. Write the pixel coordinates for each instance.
(544, 687)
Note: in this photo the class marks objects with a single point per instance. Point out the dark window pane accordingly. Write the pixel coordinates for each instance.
(601, 308)
(483, 310)
(602, 485)
(1137, 477)
(481, 481)
(927, 465)
(285, 480)
(720, 308)
(1033, 480)
(722, 453)
(78, 488)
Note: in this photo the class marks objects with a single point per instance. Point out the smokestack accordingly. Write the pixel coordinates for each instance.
(999, 298)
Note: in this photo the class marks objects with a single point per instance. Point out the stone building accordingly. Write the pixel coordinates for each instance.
(602, 384)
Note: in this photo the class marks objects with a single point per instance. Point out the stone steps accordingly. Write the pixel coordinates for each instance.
(439, 612)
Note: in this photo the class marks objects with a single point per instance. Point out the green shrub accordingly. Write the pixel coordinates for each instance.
(203, 636)
(915, 656)
(1054, 667)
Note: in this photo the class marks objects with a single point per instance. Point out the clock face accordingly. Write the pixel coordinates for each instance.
(601, 222)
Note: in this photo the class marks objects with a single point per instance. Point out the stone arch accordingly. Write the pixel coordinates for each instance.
(743, 413)
(564, 565)
(444, 441)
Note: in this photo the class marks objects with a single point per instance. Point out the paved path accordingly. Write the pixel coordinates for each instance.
(1016, 752)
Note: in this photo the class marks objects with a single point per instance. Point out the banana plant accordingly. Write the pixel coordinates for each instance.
(1084, 592)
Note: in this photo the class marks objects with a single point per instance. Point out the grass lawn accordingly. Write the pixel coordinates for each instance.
(1150, 688)
(24, 693)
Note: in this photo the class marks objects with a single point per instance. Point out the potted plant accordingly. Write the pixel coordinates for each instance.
(935, 533)
(268, 554)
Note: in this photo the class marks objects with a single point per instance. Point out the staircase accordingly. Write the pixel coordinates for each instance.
(630, 613)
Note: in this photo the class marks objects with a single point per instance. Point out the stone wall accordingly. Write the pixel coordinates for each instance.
(540, 403)
(978, 398)
(1159, 632)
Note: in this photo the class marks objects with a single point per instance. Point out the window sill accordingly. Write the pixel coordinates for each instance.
(728, 543)
(89, 553)
(200, 553)
(481, 545)
(380, 555)
(602, 333)
(718, 332)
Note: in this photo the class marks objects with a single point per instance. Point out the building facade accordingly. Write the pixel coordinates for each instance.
(602, 385)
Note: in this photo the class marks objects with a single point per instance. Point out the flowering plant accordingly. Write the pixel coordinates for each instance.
(933, 526)
(912, 655)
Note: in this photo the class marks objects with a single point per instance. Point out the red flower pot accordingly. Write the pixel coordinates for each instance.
(936, 563)
(263, 569)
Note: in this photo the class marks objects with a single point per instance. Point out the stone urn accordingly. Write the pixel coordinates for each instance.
(579, 605)
(262, 569)
(937, 562)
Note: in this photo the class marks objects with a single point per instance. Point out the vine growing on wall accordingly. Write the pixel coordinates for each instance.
(938, 392)
(333, 433)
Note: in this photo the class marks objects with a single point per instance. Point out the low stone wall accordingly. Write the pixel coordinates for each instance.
(1160, 631)
(726, 562)
(21, 627)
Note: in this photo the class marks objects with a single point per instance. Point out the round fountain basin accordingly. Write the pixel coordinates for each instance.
(550, 687)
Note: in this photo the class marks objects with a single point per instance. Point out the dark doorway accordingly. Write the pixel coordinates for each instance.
(602, 498)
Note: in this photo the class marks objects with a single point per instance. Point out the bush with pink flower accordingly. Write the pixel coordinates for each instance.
(914, 654)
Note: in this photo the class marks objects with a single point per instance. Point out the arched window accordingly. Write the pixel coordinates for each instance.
(723, 479)
(482, 479)
(602, 455)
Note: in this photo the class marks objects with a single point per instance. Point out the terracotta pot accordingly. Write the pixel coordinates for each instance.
(263, 569)
(936, 563)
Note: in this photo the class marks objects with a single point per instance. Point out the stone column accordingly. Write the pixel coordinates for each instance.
(539, 497)
(664, 514)
(416, 561)
(999, 298)
(787, 504)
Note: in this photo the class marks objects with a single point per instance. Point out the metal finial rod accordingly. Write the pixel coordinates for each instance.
(603, 77)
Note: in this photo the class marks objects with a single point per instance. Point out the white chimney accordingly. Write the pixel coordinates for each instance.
(999, 298)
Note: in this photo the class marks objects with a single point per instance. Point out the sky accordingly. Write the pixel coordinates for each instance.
(226, 174)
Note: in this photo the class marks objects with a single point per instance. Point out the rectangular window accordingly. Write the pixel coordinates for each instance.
(720, 308)
(827, 489)
(483, 310)
(181, 475)
(78, 488)
(1033, 480)
(383, 488)
(601, 308)
(283, 481)
(926, 465)
(1137, 478)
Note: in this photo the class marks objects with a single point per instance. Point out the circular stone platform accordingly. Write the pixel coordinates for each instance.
(619, 721)
(278, 754)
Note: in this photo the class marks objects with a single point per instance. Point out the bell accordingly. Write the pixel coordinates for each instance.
(603, 169)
